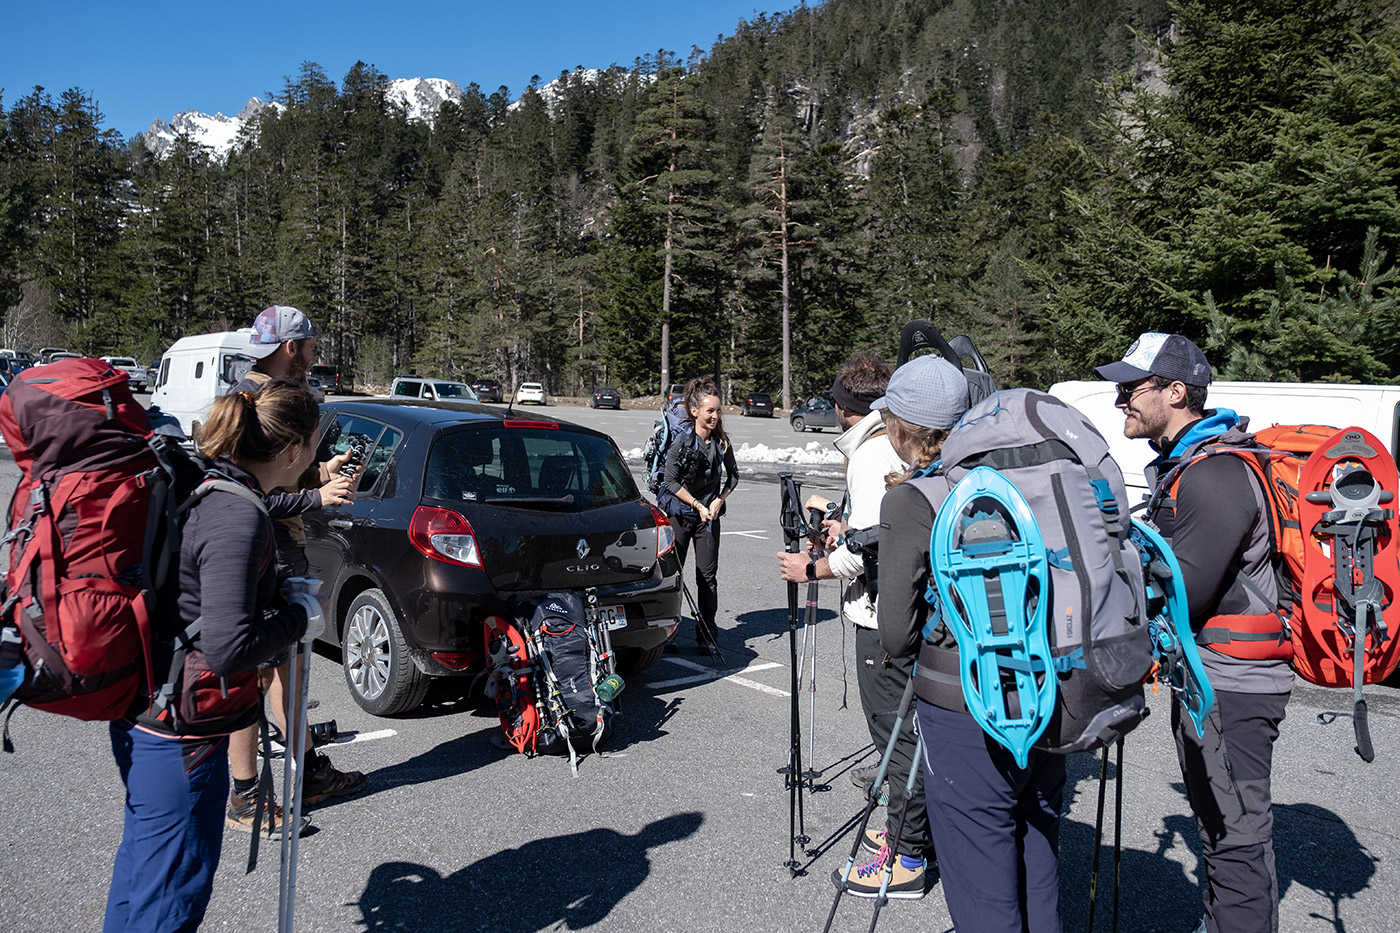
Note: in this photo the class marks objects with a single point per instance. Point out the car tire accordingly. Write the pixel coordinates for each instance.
(635, 660)
(381, 676)
(799, 425)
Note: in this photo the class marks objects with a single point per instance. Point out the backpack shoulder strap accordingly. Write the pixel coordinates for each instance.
(215, 481)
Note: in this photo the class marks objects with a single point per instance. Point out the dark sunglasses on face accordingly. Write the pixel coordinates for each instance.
(1127, 393)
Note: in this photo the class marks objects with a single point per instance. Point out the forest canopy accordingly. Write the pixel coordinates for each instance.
(1048, 177)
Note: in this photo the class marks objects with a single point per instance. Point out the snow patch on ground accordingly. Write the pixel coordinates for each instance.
(815, 452)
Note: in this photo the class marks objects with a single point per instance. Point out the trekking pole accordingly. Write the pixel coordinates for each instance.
(791, 519)
(293, 772)
(814, 525)
(872, 798)
(892, 855)
(1098, 840)
(1117, 832)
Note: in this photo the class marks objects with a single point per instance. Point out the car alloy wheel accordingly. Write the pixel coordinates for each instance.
(798, 424)
(382, 678)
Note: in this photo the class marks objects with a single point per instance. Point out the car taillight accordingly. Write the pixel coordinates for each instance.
(443, 535)
(665, 531)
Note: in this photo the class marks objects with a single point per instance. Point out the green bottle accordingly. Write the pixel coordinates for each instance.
(609, 687)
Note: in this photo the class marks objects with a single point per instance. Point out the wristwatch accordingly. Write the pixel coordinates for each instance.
(811, 570)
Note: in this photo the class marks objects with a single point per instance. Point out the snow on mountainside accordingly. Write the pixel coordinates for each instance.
(421, 98)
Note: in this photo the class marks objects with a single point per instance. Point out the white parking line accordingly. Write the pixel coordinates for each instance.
(708, 674)
(368, 737)
(762, 536)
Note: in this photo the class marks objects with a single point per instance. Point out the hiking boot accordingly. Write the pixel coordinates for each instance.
(324, 781)
(874, 840)
(864, 777)
(864, 881)
(242, 813)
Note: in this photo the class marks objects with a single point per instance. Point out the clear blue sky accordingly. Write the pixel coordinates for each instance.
(154, 59)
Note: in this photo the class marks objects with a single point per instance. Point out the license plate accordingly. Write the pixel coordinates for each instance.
(614, 617)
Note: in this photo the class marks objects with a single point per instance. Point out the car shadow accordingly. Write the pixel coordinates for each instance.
(588, 874)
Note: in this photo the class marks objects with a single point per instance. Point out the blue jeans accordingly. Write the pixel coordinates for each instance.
(173, 835)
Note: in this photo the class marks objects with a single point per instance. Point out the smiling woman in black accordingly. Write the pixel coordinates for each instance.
(696, 462)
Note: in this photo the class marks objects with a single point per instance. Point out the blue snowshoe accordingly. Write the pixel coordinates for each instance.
(1169, 623)
(990, 570)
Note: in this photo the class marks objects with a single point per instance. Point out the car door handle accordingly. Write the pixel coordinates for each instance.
(341, 523)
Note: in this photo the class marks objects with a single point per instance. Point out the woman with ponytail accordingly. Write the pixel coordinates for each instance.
(173, 755)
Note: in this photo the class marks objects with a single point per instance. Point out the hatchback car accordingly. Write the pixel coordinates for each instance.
(431, 389)
(605, 397)
(488, 390)
(531, 392)
(674, 394)
(462, 511)
(757, 404)
(816, 414)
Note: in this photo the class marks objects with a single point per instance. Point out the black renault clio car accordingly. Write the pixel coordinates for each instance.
(462, 512)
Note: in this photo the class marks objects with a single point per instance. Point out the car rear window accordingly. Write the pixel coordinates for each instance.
(528, 468)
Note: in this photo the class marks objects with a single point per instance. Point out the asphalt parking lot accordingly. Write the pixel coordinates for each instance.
(684, 824)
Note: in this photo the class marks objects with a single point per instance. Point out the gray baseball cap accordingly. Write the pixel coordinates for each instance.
(928, 391)
(1170, 356)
(276, 325)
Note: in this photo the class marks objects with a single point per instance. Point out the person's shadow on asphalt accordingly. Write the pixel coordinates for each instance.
(578, 879)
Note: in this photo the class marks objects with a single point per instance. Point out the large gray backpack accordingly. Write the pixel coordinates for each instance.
(1094, 612)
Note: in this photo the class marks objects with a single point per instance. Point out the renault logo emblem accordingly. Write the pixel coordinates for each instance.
(582, 548)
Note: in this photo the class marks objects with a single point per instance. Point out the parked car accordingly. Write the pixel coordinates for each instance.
(317, 387)
(431, 389)
(487, 390)
(46, 354)
(152, 374)
(462, 509)
(531, 392)
(816, 414)
(330, 377)
(63, 355)
(674, 394)
(605, 397)
(135, 372)
(757, 403)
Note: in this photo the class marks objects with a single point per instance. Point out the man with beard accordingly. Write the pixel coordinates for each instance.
(1213, 511)
(284, 345)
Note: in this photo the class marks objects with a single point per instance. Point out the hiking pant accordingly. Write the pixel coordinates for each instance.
(173, 834)
(705, 536)
(996, 827)
(1227, 776)
(881, 680)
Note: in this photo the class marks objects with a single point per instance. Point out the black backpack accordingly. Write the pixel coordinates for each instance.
(570, 660)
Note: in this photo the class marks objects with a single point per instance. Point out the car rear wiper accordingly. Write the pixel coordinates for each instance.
(534, 501)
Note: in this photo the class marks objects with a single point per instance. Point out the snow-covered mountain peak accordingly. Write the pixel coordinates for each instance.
(422, 97)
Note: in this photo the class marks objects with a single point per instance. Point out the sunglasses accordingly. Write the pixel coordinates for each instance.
(1126, 394)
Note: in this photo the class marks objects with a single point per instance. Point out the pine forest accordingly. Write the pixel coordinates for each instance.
(1050, 177)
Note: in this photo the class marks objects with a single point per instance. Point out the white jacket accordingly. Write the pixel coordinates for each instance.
(868, 461)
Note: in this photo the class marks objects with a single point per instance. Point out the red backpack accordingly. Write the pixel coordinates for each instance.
(93, 530)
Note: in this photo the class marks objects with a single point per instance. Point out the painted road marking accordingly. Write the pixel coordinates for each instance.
(762, 536)
(708, 674)
(368, 737)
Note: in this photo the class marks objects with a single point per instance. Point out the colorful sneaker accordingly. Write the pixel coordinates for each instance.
(324, 782)
(874, 841)
(864, 881)
(242, 813)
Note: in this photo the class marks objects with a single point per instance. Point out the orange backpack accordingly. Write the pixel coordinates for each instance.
(1324, 488)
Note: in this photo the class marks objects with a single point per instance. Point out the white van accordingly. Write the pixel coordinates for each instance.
(1375, 408)
(197, 370)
